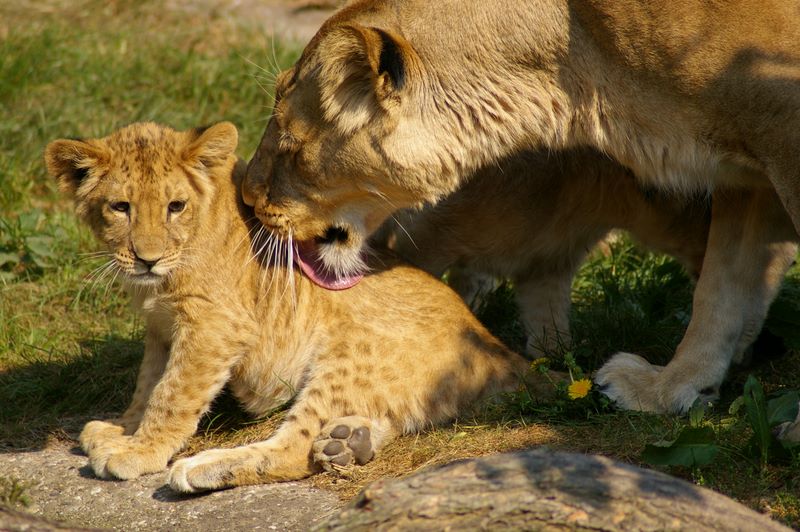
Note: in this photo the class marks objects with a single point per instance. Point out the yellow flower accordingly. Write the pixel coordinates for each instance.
(579, 388)
(539, 362)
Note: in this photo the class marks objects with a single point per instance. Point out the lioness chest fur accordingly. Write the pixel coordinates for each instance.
(222, 304)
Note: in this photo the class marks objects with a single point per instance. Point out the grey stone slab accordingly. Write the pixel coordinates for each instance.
(64, 489)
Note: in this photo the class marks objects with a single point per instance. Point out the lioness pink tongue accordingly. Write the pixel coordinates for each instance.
(307, 257)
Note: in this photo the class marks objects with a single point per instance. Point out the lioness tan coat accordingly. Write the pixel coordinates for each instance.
(397, 102)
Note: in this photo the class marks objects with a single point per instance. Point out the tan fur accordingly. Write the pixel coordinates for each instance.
(398, 102)
(555, 208)
(398, 352)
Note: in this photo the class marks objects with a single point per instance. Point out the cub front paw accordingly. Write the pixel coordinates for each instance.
(125, 459)
(342, 442)
(96, 433)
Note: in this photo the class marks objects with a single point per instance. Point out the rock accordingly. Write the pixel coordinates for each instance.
(543, 490)
(13, 521)
(63, 488)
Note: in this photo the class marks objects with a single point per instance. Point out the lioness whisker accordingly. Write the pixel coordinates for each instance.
(290, 272)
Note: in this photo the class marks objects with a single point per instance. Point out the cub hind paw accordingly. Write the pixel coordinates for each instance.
(343, 442)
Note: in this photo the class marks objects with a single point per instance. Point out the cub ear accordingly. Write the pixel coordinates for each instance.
(211, 146)
(362, 71)
(76, 164)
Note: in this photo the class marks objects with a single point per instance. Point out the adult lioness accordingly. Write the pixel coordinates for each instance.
(394, 103)
(222, 305)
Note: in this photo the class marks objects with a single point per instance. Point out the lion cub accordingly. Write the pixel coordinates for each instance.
(223, 305)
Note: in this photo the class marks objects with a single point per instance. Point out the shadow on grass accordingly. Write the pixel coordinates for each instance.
(58, 393)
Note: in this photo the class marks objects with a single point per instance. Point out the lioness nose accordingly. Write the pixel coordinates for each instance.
(258, 170)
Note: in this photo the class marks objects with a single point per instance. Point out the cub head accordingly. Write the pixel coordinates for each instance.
(345, 147)
(145, 191)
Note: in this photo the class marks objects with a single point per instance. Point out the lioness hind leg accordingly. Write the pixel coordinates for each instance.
(750, 247)
(544, 300)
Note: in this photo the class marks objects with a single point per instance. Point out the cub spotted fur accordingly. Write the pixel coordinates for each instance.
(396, 353)
(398, 102)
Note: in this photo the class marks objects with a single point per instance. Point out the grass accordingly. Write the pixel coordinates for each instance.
(13, 493)
(69, 348)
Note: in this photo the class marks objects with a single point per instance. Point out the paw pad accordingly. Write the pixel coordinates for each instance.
(343, 446)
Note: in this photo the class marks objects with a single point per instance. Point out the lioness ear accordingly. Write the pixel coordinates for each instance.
(76, 164)
(363, 71)
(211, 146)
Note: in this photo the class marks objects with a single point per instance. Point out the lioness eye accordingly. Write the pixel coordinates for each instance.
(176, 206)
(121, 206)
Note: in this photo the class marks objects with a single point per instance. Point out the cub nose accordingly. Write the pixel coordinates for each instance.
(149, 262)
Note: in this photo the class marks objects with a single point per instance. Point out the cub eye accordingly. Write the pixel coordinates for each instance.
(121, 206)
(176, 206)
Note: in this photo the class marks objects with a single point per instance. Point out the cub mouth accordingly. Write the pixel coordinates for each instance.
(333, 261)
(145, 278)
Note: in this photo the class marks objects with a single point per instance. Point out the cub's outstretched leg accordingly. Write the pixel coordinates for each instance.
(750, 247)
(321, 411)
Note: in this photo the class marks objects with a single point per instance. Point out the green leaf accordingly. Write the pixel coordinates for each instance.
(696, 413)
(756, 407)
(783, 408)
(41, 246)
(28, 221)
(694, 447)
(6, 258)
(736, 405)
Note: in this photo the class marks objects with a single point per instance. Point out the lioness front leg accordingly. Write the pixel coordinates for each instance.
(199, 365)
(156, 353)
(750, 247)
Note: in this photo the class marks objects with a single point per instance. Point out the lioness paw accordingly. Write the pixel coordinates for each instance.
(635, 384)
(631, 382)
(125, 459)
(96, 433)
(344, 441)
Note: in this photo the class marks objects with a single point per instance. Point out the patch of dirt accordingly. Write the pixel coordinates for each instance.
(295, 20)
